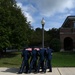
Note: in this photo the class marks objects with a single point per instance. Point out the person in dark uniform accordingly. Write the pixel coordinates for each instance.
(33, 60)
(41, 60)
(48, 59)
(24, 62)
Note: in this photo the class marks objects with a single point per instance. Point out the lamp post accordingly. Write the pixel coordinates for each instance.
(42, 23)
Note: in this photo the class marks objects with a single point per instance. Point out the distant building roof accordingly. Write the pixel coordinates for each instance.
(71, 17)
(68, 19)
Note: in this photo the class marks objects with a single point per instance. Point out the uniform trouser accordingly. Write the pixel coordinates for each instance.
(33, 62)
(23, 65)
(41, 64)
(48, 64)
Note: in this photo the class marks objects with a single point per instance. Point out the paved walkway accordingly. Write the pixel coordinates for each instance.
(55, 71)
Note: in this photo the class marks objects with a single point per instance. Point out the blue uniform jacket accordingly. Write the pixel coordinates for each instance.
(42, 53)
(25, 54)
(34, 54)
(48, 54)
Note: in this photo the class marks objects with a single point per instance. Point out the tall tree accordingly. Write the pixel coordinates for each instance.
(48, 36)
(14, 28)
(36, 37)
(54, 32)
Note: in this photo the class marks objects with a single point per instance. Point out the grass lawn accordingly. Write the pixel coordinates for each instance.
(59, 59)
(11, 60)
(63, 59)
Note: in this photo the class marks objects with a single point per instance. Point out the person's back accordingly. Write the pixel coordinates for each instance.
(41, 60)
(34, 54)
(33, 60)
(42, 52)
(49, 53)
(48, 58)
(25, 54)
(24, 62)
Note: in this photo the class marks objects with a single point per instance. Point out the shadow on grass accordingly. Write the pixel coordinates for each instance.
(7, 63)
(10, 54)
(64, 53)
(68, 52)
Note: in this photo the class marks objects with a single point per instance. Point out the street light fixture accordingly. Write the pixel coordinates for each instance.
(42, 23)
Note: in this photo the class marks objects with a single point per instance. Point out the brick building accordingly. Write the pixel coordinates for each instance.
(67, 34)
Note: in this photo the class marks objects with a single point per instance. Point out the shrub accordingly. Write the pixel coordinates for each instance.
(55, 45)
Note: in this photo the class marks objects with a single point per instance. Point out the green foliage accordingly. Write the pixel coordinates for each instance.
(16, 32)
(14, 29)
(55, 44)
(36, 37)
(54, 32)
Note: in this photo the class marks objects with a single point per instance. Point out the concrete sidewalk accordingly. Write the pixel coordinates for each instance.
(55, 71)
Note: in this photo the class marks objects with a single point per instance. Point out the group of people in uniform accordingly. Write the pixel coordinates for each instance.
(36, 60)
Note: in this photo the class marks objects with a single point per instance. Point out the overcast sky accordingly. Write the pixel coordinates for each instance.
(53, 11)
